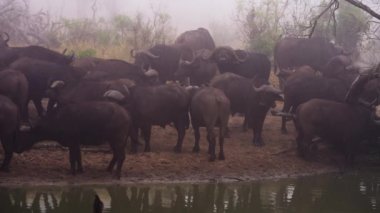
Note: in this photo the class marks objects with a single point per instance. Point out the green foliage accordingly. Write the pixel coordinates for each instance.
(86, 53)
(260, 25)
(352, 24)
(114, 37)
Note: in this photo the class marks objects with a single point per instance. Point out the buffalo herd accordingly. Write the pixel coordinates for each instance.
(190, 82)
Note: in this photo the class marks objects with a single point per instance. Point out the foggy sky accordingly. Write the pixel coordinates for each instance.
(185, 14)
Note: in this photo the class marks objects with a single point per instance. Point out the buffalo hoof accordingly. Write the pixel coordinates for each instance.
(4, 169)
(134, 150)
(177, 149)
(227, 135)
(80, 171)
(117, 176)
(221, 157)
(258, 144)
(196, 149)
(212, 158)
(284, 131)
(147, 149)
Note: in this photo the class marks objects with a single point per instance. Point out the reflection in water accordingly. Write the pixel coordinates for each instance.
(360, 193)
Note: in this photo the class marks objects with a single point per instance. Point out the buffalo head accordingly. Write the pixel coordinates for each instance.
(187, 66)
(227, 55)
(336, 66)
(267, 95)
(143, 58)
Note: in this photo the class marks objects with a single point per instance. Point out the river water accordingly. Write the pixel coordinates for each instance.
(356, 193)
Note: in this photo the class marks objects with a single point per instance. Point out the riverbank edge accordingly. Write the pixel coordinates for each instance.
(10, 183)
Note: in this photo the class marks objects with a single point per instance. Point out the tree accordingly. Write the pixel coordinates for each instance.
(339, 20)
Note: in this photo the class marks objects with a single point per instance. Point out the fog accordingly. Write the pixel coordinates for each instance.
(184, 14)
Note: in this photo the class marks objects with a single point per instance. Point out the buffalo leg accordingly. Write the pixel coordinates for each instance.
(118, 149)
(221, 142)
(146, 131)
(197, 137)
(211, 142)
(79, 160)
(245, 123)
(74, 150)
(112, 163)
(8, 152)
(258, 128)
(181, 128)
(134, 138)
(286, 108)
(120, 160)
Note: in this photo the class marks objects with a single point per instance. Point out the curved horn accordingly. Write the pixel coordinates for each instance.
(148, 53)
(114, 94)
(238, 58)
(126, 89)
(7, 37)
(64, 51)
(286, 72)
(151, 73)
(57, 84)
(356, 88)
(267, 88)
(132, 53)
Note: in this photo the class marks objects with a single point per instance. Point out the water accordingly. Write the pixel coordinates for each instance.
(356, 193)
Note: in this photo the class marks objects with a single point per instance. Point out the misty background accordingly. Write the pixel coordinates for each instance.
(184, 14)
(111, 28)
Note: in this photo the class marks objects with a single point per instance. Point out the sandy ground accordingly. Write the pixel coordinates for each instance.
(50, 165)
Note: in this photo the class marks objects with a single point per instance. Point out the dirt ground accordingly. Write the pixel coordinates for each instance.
(47, 164)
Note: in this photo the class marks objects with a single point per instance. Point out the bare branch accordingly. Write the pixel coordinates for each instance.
(314, 22)
(364, 7)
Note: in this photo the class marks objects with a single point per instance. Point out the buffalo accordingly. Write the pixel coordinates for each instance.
(164, 59)
(64, 94)
(210, 107)
(243, 63)
(305, 86)
(342, 124)
(111, 69)
(9, 122)
(40, 74)
(87, 64)
(245, 97)
(290, 53)
(84, 123)
(200, 70)
(10, 54)
(196, 39)
(158, 105)
(14, 85)
(337, 65)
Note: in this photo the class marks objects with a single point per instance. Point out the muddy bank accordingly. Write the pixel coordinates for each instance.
(244, 161)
